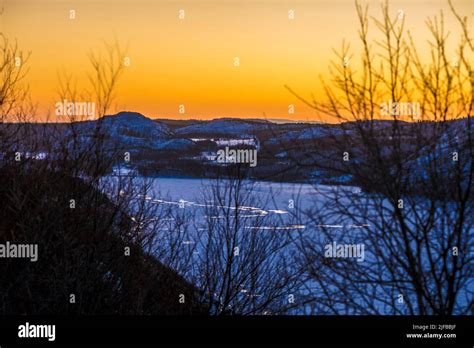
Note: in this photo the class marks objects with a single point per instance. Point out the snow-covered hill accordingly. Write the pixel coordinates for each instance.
(225, 126)
(128, 130)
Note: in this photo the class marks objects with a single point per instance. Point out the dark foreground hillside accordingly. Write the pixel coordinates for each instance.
(82, 266)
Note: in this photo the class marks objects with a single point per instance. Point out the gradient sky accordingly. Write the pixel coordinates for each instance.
(190, 61)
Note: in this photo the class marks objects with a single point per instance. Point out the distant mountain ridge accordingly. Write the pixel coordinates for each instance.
(225, 126)
(185, 147)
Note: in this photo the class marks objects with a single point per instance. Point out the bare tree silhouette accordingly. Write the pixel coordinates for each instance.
(90, 231)
(404, 144)
(243, 263)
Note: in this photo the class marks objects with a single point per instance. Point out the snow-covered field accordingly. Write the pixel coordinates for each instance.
(272, 199)
(279, 206)
(319, 215)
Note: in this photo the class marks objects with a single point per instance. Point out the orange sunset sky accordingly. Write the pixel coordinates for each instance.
(190, 61)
